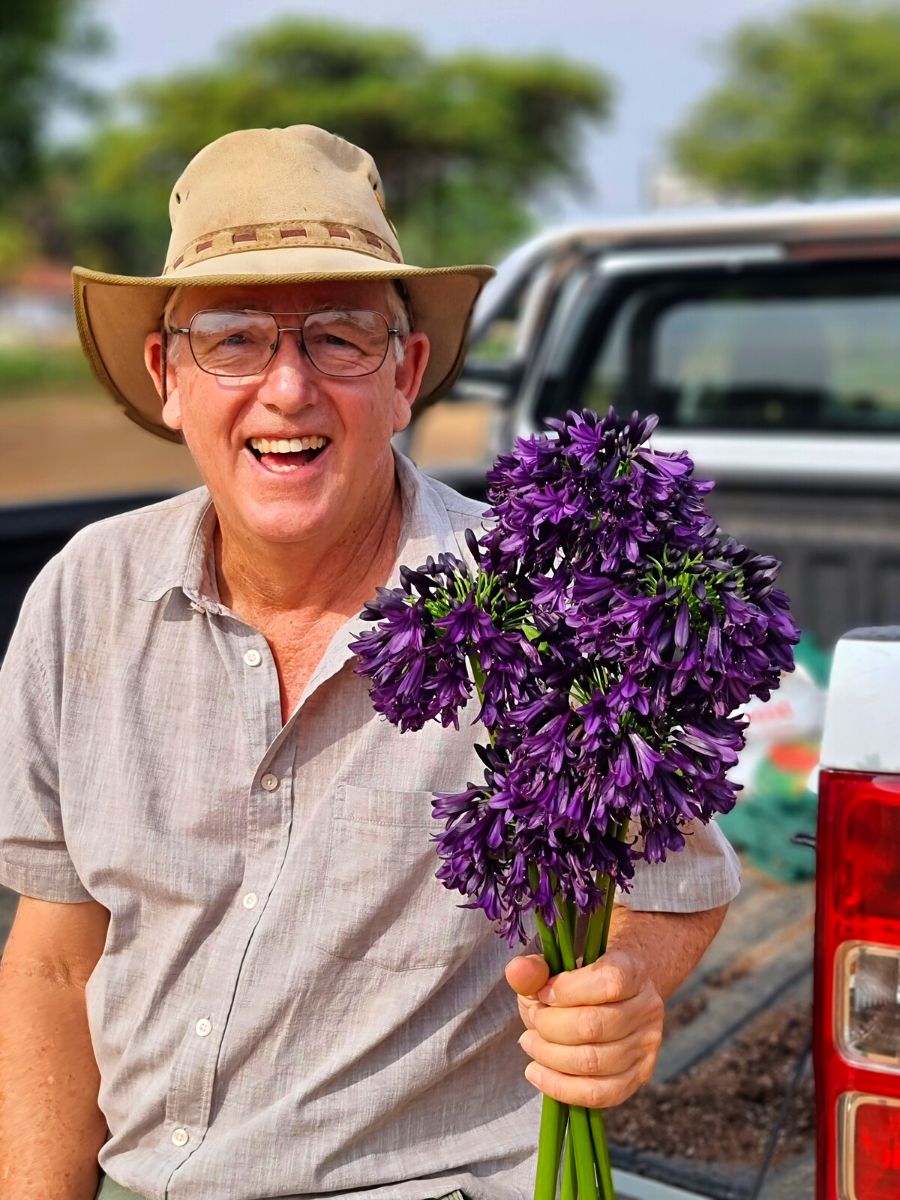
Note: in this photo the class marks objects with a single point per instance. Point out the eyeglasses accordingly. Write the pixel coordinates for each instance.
(344, 342)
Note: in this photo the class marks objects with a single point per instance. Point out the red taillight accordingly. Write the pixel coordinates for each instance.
(870, 1147)
(857, 983)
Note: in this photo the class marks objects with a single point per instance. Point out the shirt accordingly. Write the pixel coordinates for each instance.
(288, 1003)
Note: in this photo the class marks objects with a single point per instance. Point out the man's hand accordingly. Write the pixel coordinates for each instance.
(593, 1034)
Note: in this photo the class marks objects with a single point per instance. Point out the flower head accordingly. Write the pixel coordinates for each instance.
(611, 632)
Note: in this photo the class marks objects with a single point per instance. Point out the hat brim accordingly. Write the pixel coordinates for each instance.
(116, 312)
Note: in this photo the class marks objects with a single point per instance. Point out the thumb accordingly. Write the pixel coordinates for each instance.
(527, 974)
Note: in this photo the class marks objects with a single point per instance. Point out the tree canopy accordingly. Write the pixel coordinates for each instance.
(810, 107)
(38, 41)
(463, 142)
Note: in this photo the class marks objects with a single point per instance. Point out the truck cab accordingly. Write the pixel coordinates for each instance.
(767, 341)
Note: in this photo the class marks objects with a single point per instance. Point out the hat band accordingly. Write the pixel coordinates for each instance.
(278, 234)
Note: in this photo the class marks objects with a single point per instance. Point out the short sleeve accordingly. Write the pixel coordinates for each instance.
(34, 860)
(705, 874)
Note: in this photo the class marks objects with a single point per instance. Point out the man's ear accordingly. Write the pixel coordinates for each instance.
(171, 410)
(408, 378)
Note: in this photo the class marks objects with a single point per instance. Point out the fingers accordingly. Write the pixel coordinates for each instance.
(586, 1090)
(592, 1024)
(615, 976)
(527, 974)
(633, 1054)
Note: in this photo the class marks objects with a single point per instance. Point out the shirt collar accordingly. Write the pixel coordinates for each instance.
(186, 558)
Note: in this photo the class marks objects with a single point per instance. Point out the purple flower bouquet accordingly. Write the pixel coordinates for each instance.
(610, 631)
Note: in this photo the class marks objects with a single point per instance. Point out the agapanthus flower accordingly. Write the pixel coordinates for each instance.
(611, 631)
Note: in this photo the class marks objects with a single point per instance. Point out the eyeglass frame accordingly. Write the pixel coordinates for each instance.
(165, 333)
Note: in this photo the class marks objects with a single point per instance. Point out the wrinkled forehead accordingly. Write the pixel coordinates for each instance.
(285, 297)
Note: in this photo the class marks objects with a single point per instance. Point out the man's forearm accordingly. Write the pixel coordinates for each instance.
(51, 1128)
(670, 944)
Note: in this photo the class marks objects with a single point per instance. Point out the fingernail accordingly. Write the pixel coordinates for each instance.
(525, 1040)
(547, 995)
(533, 1074)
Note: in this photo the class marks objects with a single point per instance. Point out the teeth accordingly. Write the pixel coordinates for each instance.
(287, 445)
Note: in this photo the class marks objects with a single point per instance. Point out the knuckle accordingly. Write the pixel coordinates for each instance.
(591, 1060)
(617, 979)
(597, 1094)
(645, 1072)
(654, 1038)
(589, 1025)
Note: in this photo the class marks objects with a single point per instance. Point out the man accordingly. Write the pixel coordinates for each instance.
(232, 973)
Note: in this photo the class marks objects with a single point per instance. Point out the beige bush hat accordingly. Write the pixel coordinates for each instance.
(269, 206)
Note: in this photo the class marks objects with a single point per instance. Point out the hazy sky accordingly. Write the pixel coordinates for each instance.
(657, 52)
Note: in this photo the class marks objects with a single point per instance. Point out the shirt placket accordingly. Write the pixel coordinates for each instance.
(254, 677)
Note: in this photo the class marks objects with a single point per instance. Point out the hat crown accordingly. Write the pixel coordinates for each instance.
(256, 184)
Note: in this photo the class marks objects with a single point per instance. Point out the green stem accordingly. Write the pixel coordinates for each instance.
(569, 1181)
(598, 925)
(549, 1149)
(549, 947)
(601, 1153)
(580, 1134)
(579, 1127)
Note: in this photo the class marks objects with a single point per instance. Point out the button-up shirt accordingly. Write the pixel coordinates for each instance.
(288, 1003)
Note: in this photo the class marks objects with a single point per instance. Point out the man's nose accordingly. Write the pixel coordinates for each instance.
(290, 378)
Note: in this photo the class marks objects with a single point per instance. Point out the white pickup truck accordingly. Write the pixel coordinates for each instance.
(768, 342)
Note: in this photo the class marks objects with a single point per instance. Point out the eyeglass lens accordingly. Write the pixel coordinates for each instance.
(341, 342)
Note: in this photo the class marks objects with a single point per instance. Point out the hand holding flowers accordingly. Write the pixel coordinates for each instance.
(594, 1033)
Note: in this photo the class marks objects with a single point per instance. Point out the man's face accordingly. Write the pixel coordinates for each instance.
(318, 495)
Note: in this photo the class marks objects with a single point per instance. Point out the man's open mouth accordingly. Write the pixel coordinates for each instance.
(286, 454)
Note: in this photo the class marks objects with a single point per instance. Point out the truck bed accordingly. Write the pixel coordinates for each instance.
(736, 1043)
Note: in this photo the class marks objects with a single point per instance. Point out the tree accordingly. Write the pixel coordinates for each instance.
(464, 143)
(810, 107)
(38, 41)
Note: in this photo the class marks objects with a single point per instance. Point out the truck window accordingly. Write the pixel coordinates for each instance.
(807, 352)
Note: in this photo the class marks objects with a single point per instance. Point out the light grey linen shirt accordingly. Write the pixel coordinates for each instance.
(288, 1003)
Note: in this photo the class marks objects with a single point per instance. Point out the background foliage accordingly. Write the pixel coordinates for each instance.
(809, 107)
(465, 143)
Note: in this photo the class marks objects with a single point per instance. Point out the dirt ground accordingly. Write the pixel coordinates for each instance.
(54, 447)
(748, 1079)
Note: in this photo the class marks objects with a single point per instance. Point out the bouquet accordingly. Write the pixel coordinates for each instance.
(610, 630)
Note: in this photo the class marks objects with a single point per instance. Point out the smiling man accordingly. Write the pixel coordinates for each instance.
(232, 973)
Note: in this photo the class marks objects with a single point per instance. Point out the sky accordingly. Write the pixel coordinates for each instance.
(659, 55)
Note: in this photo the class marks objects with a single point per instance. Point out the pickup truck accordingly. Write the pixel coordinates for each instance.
(767, 342)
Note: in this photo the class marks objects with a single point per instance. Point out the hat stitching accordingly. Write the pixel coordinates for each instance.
(316, 234)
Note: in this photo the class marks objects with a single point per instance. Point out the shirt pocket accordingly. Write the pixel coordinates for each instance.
(379, 901)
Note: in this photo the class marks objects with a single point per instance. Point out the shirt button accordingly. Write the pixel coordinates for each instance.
(269, 782)
(250, 900)
(252, 658)
(180, 1137)
(203, 1027)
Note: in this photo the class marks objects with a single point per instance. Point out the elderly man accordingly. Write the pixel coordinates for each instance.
(232, 975)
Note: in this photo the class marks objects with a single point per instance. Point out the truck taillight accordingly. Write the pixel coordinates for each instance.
(870, 1146)
(857, 985)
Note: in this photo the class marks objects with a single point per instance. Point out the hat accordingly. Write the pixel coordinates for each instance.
(257, 206)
